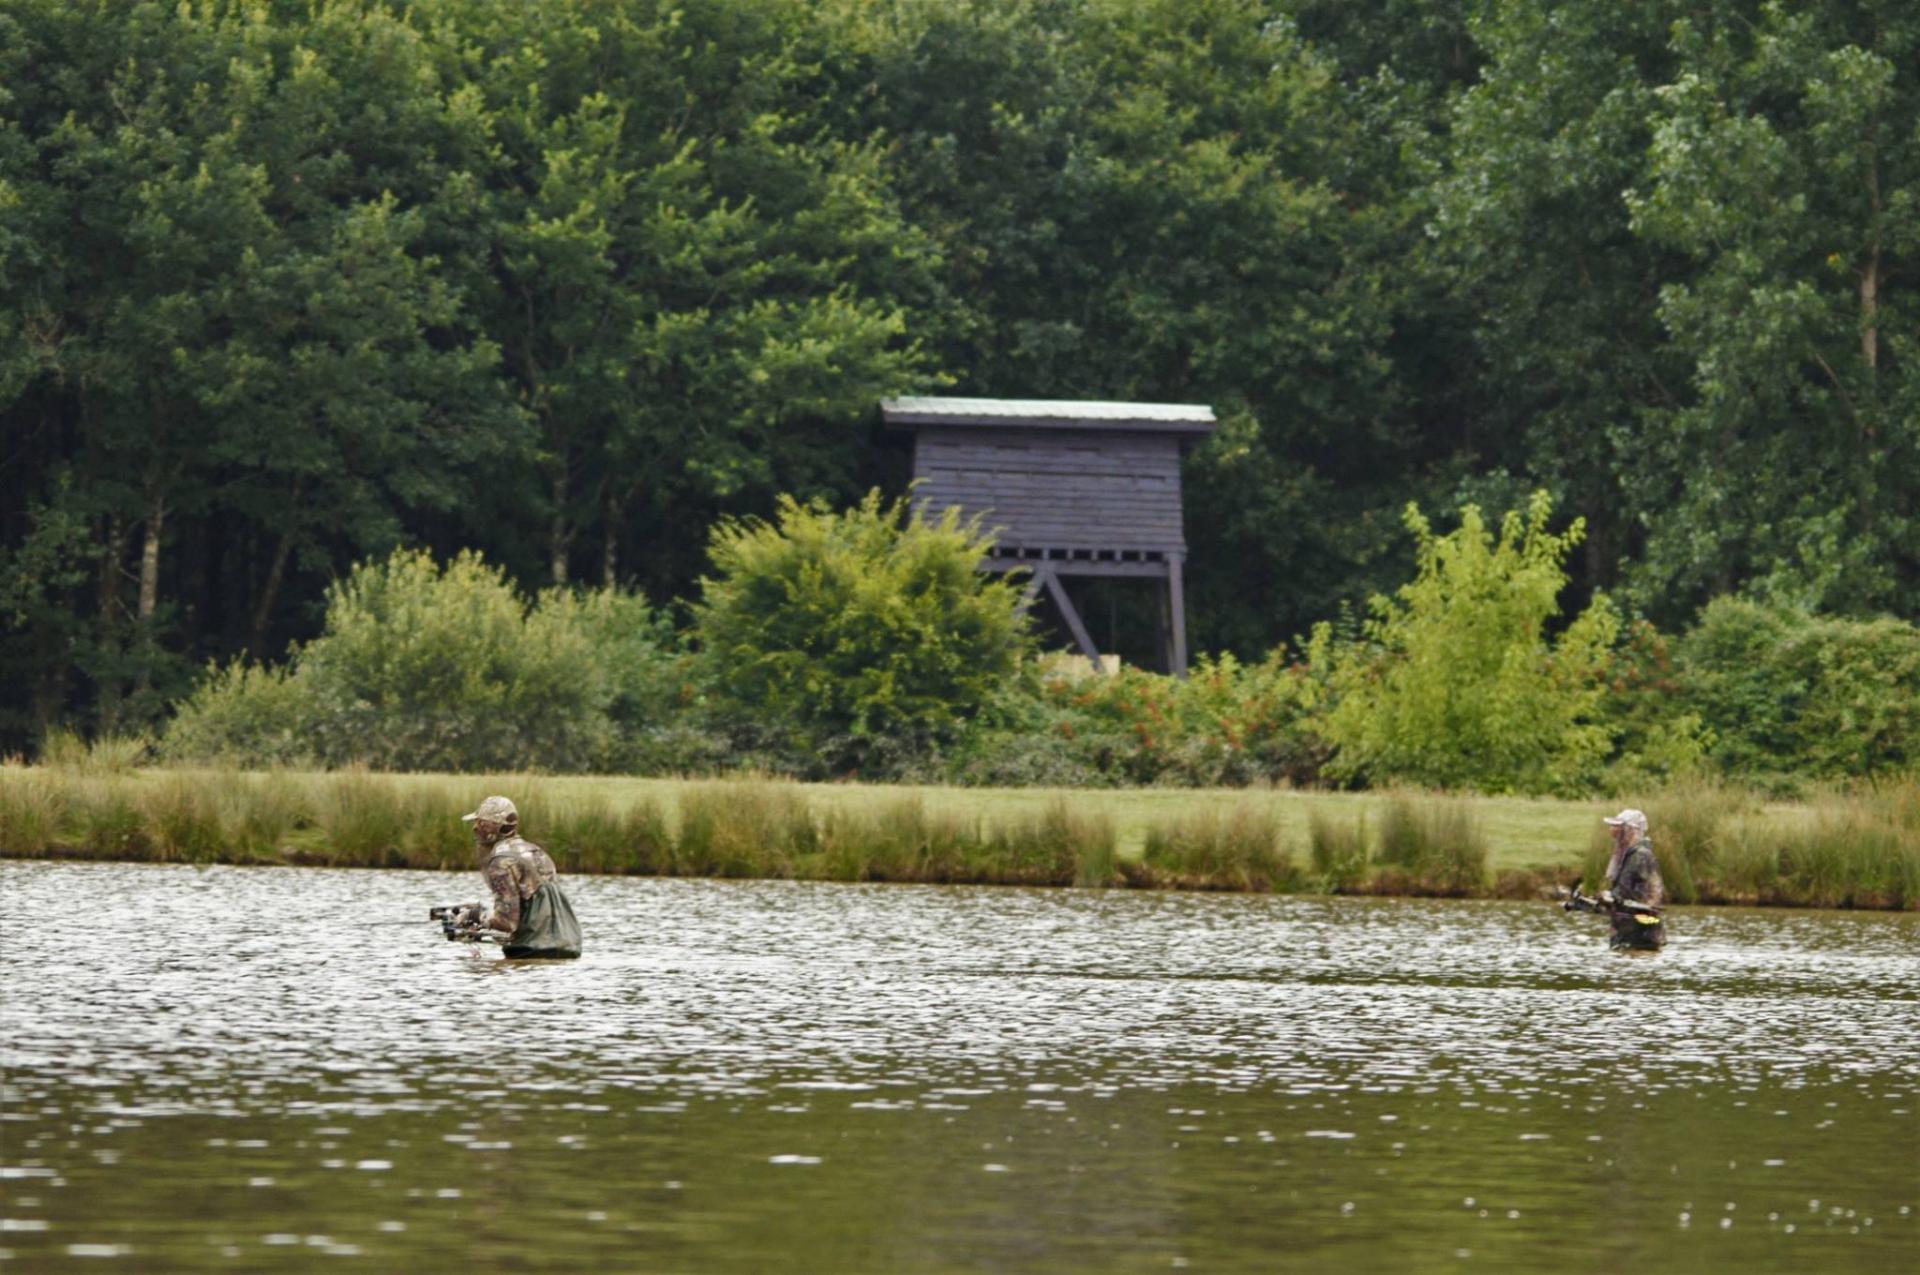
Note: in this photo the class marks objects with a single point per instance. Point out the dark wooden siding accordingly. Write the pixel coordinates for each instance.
(1078, 489)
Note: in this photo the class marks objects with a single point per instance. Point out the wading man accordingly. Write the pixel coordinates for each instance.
(1633, 876)
(530, 913)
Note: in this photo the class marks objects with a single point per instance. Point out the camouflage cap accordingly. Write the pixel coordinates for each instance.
(1630, 818)
(494, 810)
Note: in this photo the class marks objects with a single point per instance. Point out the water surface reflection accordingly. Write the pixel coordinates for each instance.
(205, 1070)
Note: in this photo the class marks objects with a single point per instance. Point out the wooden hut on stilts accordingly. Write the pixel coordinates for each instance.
(1074, 490)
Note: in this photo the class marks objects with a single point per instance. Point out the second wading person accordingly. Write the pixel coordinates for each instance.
(1633, 876)
(530, 914)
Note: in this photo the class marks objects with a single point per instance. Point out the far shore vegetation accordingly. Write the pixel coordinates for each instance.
(1717, 844)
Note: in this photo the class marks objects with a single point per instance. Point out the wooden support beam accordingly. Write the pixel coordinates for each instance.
(1177, 603)
(1036, 582)
(1149, 570)
(1080, 635)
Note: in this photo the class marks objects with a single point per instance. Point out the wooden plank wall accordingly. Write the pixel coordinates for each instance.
(1078, 489)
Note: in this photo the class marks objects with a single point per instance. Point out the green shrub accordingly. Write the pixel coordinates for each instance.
(843, 630)
(1455, 685)
(1782, 689)
(245, 715)
(424, 668)
(1226, 724)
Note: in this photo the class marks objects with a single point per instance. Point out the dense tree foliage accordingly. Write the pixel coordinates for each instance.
(285, 286)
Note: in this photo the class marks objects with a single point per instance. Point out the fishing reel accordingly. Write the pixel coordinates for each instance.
(457, 919)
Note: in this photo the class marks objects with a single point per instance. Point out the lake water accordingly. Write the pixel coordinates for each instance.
(285, 1069)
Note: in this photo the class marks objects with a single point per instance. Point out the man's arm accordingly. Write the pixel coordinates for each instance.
(505, 914)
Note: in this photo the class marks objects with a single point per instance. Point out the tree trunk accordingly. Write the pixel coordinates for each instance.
(560, 538)
(112, 563)
(1869, 312)
(150, 558)
(610, 541)
(276, 576)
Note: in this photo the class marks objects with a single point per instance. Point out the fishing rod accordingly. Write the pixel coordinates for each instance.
(1605, 903)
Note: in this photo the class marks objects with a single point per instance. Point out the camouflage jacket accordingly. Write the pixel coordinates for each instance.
(514, 869)
(1638, 879)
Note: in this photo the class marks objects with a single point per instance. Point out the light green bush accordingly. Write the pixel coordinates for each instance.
(1455, 684)
(245, 714)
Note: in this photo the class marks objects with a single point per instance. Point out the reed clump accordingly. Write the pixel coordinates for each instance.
(743, 829)
(1857, 853)
(591, 834)
(183, 820)
(1839, 848)
(1695, 829)
(66, 750)
(898, 841)
(363, 820)
(1241, 848)
(1340, 852)
(33, 805)
(110, 823)
(264, 814)
(1058, 846)
(1430, 846)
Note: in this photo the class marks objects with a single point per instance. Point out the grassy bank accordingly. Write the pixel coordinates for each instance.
(1716, 844)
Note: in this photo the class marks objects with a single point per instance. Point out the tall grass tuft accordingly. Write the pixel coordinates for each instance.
(361, 819)
(1433, 845)
(1240, 849)
(1049, 848)
(1691, 826)
(743, 829)
(1096, 851)
(66, 750)
(183, 820)
(433, 835)
(1852, 855)
(32, 807)
(111, 823)
(898, 841)
(263, 815)
(590, 835)
(1339, 852)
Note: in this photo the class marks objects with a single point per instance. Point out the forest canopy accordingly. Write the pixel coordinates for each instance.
(285, 287)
